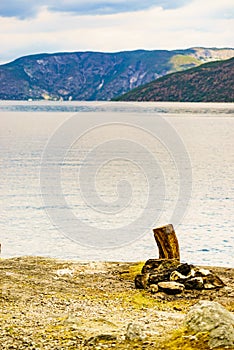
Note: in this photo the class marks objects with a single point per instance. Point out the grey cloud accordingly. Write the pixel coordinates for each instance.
(19, 8)
(24, 9)
(112, 6)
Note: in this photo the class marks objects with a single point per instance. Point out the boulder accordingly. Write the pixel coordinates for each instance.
(211, 317)
(222, 336)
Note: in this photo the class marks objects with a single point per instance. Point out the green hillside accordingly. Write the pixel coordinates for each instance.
(95, 75)
(210, 82)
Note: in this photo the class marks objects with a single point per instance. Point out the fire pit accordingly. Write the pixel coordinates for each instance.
(168, 274)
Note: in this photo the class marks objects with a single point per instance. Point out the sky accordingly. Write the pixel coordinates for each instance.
(29, 26)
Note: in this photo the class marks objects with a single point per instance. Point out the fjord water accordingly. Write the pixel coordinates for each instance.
(206, 130)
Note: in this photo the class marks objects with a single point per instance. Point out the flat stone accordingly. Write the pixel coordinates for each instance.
(171, 287)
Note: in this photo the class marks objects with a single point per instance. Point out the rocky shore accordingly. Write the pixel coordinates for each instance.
(54, 304)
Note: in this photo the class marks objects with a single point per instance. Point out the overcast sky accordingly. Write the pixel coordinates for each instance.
(29, 26)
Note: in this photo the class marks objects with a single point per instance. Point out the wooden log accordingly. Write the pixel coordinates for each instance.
(167, 242)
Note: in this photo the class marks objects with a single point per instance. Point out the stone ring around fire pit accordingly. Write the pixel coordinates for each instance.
(172, 277)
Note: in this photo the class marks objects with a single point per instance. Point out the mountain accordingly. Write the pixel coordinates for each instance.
(210, 82)
(95, 75)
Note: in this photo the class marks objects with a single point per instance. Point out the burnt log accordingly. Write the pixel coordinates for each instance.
(167, 242)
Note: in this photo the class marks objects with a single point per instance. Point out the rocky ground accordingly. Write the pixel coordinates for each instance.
(53, 304)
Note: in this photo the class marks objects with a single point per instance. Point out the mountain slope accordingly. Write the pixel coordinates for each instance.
(210, 82)
(94, 75)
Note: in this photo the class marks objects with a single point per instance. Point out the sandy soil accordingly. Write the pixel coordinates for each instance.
(53, 304)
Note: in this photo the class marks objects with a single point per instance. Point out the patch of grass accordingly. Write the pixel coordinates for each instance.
(132, 270)
(179, 62)
(184, 340)
(141, 299)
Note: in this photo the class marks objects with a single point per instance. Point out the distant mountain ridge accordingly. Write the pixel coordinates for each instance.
(210, 82)
(95, 75)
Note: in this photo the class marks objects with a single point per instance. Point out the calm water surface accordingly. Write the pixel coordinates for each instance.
(206, 231)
